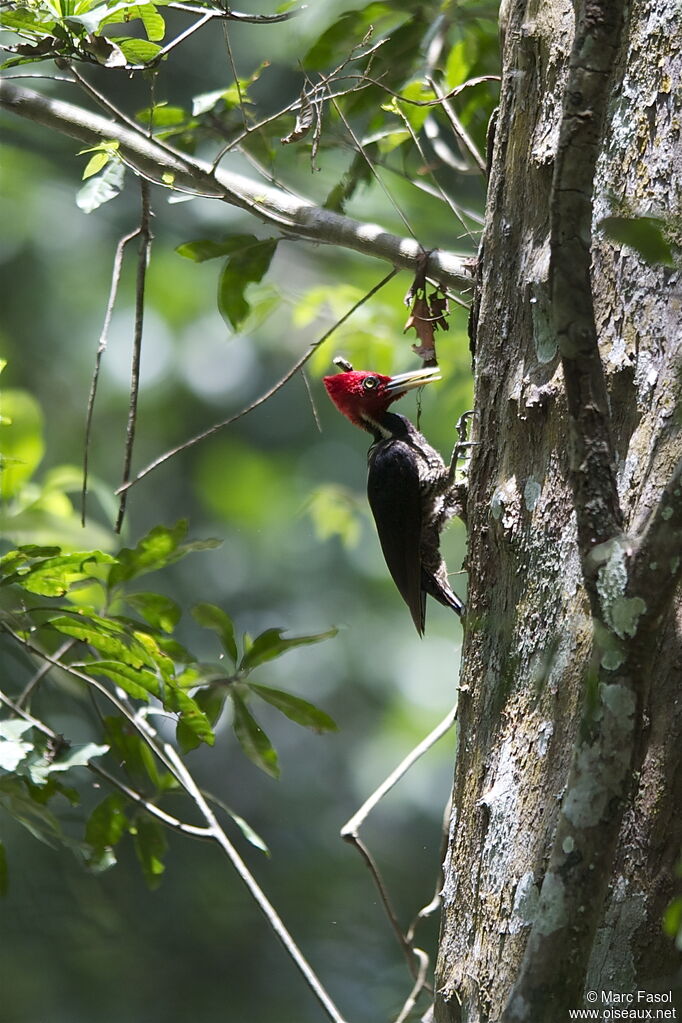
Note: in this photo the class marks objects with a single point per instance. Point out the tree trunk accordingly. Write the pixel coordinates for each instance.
(535, 659)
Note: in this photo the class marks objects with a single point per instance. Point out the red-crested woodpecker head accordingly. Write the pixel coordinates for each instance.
(363, 397)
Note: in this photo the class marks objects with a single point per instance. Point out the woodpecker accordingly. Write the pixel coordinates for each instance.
(411, 491)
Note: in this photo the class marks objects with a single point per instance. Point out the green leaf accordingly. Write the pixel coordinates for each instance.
(643, 234)
(105, 827)
(4, 873)
(157, 657)
(13, 748)
(138, 51)
(161, 612)
(212, 617)
(22, 440)
(193, 719)
(252, 739)
(154, 24)
(150, 846)
(136, 682)
(75, 756)
(29, 812)
(53, 576)
(23, 19)
(231, 96)
(206, 101)
(459, 63)
(247, 265)
(132, 752)
(205, 248)
(295, 708)
(162, 116)
(98, 190)
(154, 551)
(95, 164)
(346, 32)
(160, 547)
(272, 643)
(247, 831)
(105, 635)
(9, 562)
(210, 702)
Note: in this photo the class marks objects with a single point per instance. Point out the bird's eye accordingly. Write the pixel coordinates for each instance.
(369, 383)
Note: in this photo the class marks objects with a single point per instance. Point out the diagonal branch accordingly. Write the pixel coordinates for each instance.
(297, 217)
(262, 398)
(212, 829)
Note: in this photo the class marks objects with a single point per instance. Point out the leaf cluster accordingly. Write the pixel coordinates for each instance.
(77, 613)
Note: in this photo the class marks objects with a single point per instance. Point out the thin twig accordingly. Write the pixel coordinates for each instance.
(227, 14)
(298, 103)
(419, 985)
(432, 102)
(441, 192)
(208, 15)
(233, 68)
(42, 672)
(139, 725)
(142, 263)
(262, 398)
(268, 910)
(213, 830)
(381, 888)
(24, 714)
(171, 169)
(168, 819)
(460, 132)
(311, 401)
(352, 827)
(350, 833)
(101, 348)
(360, 148)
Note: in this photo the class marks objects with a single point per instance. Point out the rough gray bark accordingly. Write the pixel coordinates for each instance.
(531, 668)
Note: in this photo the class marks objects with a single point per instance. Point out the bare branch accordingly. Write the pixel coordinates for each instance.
(206, 16)
(101, 348)
(267, 909)
(419, 985)
(352, 826)
(142, 263)
(262, 398)
(350, 832)
(227, 14)
(461, 134)
(295, 216)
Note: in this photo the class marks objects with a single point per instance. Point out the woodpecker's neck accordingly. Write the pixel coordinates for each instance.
(387, 426)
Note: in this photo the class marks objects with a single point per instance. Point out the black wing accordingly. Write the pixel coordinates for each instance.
(395, 500)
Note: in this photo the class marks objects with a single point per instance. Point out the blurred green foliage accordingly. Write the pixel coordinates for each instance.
(283, 488)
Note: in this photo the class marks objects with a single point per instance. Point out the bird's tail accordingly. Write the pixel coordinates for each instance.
(440, 589)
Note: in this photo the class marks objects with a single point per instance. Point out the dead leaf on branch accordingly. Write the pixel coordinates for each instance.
(427, 315)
